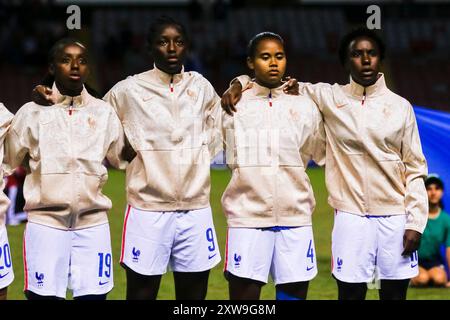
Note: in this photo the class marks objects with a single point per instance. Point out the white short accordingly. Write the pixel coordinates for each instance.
(368, 248)
(288, 255)
(6, 269)
(183, 241)
(55, 260)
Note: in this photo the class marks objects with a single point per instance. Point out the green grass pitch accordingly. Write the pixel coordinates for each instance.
(321, 287)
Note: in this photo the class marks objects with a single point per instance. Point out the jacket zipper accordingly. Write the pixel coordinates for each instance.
(177, 116)
(273, 155)
(71, 107)
(365, 184)
(72, 214)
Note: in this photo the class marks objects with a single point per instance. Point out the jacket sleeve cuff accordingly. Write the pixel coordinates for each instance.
(415, 227)
(244, 80)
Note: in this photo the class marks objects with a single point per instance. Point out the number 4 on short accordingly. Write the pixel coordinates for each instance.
(310, 252)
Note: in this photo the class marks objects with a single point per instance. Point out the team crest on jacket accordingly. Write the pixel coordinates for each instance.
(91, 123)
(191, 94)
(295, 116)
(387, 111)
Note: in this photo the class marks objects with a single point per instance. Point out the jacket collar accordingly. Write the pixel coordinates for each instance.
(374, 90)
(77, 101)
(261, 91)
(160, 76)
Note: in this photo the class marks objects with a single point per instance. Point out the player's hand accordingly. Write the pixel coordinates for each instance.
(231, 97)
(447, 285)
(411, 242)
(291, 86)
(42, 95)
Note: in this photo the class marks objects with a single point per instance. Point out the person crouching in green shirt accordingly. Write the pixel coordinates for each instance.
(436, 234)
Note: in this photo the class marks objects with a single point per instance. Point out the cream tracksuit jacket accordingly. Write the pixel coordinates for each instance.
(374, 160)
(171, 121)
(63, 147)
(268, 143)
(5, 121)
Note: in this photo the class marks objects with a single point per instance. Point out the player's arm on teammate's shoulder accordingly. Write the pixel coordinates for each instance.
(119, 152)
(323, 94)
(42, 95)
(115, 97)
(234, 93)
(319, 145)
(213, 116)
(291, 86)
(416, 200)
(16, 143)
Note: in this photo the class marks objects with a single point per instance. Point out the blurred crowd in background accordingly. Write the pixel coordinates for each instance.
(417, 38)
